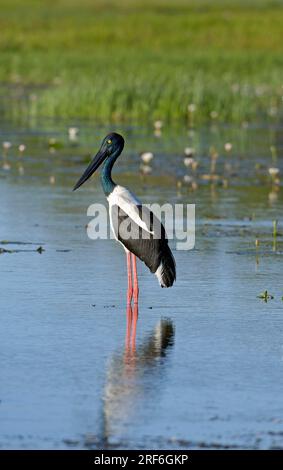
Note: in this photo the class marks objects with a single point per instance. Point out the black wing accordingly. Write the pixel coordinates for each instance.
(151, 246)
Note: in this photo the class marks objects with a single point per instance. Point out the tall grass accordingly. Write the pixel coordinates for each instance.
(142, 60)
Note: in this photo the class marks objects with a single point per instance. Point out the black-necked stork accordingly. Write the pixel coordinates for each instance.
(134, 225)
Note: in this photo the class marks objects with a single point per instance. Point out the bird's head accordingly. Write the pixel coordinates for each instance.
(112, 145)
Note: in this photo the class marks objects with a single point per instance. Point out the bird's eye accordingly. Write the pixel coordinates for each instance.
(109, 141)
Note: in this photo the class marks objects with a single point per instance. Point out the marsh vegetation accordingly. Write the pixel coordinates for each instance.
(117, 61)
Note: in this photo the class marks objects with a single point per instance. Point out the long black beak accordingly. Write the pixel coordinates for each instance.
(92, 167)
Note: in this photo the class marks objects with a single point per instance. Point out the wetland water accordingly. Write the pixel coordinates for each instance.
(207, 370)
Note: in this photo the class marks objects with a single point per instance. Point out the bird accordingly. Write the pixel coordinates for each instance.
(133, 224)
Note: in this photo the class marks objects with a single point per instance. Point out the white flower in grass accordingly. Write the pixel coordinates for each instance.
(188, 179)
(273, 171)
(228, 146)
(147, 157)
(192, 108)
(158, 124)
(6, 145)
(73, 133)
(189, 151)
(188, 161)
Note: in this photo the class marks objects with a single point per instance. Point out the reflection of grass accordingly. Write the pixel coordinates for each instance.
(148, 59)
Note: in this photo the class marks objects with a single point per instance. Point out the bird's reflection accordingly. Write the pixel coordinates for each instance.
(135, 375)
(131, 329)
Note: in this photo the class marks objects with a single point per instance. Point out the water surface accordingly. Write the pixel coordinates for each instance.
(206, 370)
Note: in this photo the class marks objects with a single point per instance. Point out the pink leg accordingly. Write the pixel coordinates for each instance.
(128, 327)
(136, 283)
(130, 285)
(135, 315)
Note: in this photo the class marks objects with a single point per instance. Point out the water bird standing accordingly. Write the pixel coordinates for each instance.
(147, 238)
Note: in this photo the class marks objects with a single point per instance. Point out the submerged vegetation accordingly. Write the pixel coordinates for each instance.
(189, 61)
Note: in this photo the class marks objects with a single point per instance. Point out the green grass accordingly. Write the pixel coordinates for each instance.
(142, 60)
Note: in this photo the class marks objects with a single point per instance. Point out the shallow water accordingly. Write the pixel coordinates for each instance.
(206, 370)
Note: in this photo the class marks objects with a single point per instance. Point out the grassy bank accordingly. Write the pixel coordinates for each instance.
(142, 60)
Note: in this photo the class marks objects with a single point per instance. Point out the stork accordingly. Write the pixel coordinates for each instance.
(136, 227)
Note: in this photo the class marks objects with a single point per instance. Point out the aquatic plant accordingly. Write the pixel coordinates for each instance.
(73, 133)
(158, 125)
(147, 157)
(188, 161)
(21, 148)
(265, 296)
(228, 147)
(273, 172)
(189, 151)
(6, 145)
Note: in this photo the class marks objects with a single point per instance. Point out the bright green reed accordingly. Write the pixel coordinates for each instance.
(137, 60)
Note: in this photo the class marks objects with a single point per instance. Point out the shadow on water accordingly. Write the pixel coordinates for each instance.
(134, 375)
